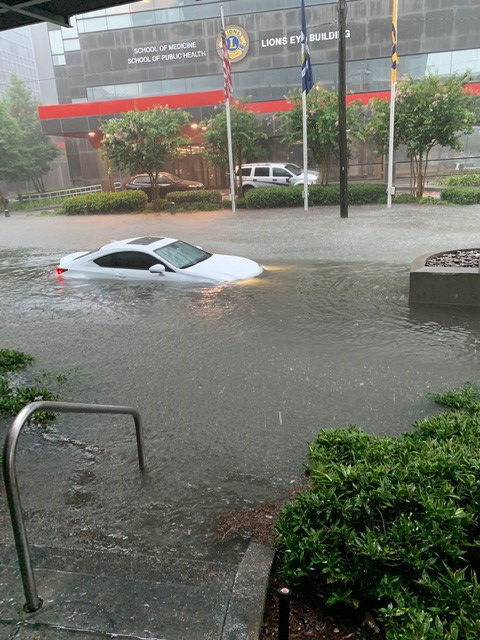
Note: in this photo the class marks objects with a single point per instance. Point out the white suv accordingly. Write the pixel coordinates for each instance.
(272, 174)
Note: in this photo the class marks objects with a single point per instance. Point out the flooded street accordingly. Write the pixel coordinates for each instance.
(231, 382)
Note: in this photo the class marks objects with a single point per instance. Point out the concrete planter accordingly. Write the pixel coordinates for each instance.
(458, 286)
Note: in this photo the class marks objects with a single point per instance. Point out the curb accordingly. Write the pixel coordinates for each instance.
(244, 617)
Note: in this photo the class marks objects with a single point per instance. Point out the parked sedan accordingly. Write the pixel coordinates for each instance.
(166, 182)
(155, 259)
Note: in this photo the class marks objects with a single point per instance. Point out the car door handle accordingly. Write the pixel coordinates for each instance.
(120, 275)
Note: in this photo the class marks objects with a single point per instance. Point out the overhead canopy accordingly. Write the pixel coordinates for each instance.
(18, 13)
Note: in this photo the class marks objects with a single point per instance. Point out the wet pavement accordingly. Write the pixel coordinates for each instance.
(231, 382)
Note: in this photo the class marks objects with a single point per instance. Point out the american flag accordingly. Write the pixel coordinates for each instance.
(227, 67)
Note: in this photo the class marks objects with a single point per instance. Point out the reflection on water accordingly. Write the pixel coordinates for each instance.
(231, 381)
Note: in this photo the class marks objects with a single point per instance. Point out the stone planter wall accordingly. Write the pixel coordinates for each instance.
(459, 286)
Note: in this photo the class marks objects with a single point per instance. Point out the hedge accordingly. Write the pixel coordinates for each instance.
(461, 195)
(390, 525)
(359, 193)
(180, 197)
(462, 180)
(105, 202)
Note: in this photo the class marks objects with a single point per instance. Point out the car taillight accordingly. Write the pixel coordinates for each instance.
(60, 270)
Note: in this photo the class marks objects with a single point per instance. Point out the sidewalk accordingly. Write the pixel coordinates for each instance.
(105, 595)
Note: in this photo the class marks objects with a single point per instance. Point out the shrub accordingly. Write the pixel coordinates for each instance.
(189, 207)
(430, 200)
(324, 194)
(463, 180)
(392, 524)
(359, 193)
(105, 202)
(404, 198)
(157, 205)
(180, 197)
(240, 203)
(366, 193)
(266, 197)
(13, 397)
(461, 195)
(11, 360)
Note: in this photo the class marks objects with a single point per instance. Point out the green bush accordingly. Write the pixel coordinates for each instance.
(240, 203)
(359, 193)
(366, 193)
(13, 396)
(391, 525)
(181, 197)
(190, 207)
(105, 202)
(430, 200)
(157, 205)
(11, 360)
(461, 195)
(404, 198)
(266, 197)
(463, 180)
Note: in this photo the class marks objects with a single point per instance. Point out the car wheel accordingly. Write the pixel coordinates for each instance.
(247, 188)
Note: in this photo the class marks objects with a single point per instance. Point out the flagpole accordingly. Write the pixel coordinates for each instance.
(305, 151)
(229, 136)
(393, 90)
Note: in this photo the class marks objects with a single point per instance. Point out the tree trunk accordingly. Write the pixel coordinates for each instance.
(327, 169)
(425, 170)
(240, 177)
(42, 184)
(154, 185)
(420, 176)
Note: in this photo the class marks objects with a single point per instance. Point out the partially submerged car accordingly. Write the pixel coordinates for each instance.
(155, 259)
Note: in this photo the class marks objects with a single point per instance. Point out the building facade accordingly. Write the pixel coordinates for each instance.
(17, 57)
(158, 52)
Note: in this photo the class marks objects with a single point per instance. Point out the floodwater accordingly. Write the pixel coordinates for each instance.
(232, 382)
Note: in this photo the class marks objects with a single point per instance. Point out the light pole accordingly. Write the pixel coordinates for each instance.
(342, 109)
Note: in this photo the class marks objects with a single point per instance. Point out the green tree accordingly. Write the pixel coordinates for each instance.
(36, 150)
(10, 155)
(322, 125)
(247, 135)
(429, 112)
(142, 141)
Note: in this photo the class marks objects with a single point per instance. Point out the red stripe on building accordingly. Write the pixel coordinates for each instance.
(185, 101)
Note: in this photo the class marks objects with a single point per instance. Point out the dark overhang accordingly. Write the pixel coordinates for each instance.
(18, 13)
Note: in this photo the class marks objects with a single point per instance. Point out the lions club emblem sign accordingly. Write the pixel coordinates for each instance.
(237, 43)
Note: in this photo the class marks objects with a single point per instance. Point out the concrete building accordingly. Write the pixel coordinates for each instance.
(17, 57)
(158, 52)
(25, 52)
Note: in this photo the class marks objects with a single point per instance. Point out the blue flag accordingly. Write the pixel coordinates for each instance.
(307, 72)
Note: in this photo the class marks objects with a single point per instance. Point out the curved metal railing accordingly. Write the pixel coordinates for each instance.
(33, 602)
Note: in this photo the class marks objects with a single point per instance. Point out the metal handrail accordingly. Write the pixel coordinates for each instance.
(33, 602)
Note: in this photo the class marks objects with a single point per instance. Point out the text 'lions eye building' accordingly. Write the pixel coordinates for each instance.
(159, 52)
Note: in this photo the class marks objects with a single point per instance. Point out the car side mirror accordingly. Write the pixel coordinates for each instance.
(158, 268)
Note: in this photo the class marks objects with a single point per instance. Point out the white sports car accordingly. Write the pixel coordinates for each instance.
(154, 259)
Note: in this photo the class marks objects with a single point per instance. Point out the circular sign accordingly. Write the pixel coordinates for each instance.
(237, 43)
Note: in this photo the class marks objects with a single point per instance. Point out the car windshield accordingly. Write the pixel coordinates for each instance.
(294, 169)
(182, 255)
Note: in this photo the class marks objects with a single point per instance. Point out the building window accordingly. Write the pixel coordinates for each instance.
(58, 60)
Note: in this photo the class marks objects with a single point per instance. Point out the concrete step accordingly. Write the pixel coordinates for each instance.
(95, 595)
